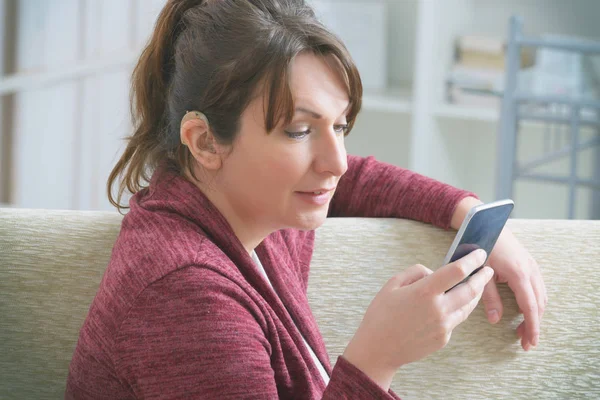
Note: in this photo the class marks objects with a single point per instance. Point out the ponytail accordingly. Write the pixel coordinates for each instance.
(148, 98)
(213, 56)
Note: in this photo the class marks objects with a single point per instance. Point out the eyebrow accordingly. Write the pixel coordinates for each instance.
(315, 115)
(307, 111)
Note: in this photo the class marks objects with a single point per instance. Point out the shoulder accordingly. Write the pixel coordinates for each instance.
(198, 290)
(153, 251)
(196, 303)
(191, 321)
(154, 244)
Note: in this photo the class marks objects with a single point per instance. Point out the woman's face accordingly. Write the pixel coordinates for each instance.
(286, 179)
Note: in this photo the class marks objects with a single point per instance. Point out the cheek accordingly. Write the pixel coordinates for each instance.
(283, 170)
(268, 172)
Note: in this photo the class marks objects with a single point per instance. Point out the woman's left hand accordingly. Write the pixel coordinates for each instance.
(513, 265)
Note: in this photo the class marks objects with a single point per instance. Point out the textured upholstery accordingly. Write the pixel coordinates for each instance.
(51, 263)
(354, 258)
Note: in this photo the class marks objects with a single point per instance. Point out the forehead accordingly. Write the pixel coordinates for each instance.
(317, 81)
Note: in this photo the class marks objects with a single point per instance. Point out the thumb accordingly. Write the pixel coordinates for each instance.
(492, 301)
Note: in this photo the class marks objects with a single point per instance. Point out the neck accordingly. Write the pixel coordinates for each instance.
(245, 228)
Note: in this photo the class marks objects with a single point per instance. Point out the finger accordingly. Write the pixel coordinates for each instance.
(543, 287)
(540, 296)
(460, 315)
(493, 302)
(545, 292)
(450, 275)
(471, 289)
(411, 275)
(521, 330)
(528, 304)
(521, 333)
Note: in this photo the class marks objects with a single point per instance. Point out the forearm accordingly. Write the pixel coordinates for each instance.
(374, 189)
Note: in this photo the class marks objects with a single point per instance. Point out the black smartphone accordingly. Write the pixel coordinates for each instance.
(479, 230)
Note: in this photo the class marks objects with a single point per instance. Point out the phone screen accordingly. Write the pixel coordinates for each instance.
(482, 232)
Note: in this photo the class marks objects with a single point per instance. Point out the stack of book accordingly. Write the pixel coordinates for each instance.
(477, 76)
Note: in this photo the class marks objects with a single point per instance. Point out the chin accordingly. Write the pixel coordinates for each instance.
(311, 221)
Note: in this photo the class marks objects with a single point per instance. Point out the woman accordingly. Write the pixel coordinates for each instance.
(240, 112)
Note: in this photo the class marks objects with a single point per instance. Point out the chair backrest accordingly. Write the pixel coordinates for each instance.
(51, 263)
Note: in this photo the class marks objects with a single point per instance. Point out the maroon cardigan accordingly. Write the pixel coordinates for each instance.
(183, 312)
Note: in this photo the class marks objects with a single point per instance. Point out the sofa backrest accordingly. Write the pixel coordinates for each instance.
(355, 257)
(51, 263)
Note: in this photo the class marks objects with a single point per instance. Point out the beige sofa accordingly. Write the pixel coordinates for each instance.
(51, 263)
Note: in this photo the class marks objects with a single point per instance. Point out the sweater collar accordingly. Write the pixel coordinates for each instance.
(170, 192)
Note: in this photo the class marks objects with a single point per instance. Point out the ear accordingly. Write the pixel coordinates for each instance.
(195, 134)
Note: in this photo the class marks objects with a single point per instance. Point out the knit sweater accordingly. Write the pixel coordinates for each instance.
(183, 312)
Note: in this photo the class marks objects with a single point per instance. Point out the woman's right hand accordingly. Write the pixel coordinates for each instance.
(412, 316)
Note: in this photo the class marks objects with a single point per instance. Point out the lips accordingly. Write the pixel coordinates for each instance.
(316, 197)
(317, 191)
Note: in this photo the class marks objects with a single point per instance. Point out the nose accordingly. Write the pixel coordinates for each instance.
(331, 155)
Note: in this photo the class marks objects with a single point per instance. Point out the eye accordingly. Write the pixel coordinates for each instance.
(341, 129)
(298, 135)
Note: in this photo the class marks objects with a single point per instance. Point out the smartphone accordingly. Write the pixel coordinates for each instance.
(479, 230)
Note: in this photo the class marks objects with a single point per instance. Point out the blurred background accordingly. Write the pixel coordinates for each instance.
(435, 72)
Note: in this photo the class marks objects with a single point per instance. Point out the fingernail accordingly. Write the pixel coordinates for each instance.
(481, 256)
(493, 316)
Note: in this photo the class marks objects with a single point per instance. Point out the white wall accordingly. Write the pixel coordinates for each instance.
(69, 133)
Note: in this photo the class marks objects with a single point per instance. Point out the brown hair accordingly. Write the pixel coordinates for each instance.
(212, 56)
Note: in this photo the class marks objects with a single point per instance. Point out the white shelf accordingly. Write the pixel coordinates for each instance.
(30, 80)
(396, 99)
(467, 113)
(399, 100)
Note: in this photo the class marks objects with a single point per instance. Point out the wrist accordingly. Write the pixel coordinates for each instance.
(462, 209)
(374, 369)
